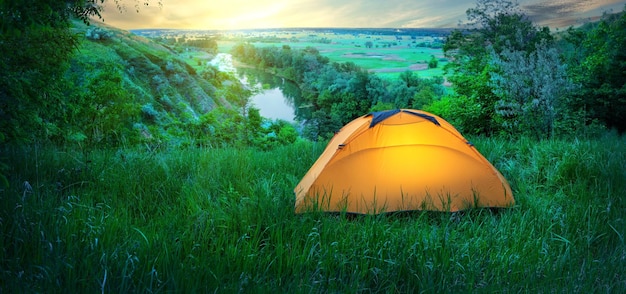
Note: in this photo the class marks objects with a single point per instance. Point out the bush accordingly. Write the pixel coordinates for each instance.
(97, 34)
(531, 88)
(149, 113)
(464, 113)
(433, 62)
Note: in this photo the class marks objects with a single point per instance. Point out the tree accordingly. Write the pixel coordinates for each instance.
(35, 45)
(409, 79)
(532, 88)
(321, 125)
(501, 25)
(377, 90)
(433, 62)
(287, 134)
(598, 64)
(208, 44)
(423, 97)
(104, 113)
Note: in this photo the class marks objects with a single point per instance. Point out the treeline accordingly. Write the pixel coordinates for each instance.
(180, 44)
(527, 81)
(335, 93)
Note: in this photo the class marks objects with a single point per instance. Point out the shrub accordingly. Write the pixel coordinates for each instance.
(531, 88)
(97, 34)
(149, 113)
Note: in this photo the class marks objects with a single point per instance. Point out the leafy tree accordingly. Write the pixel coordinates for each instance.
(223, 127)
(254, 124)
(409, 79)
(208, 44)
(532, 88)
(35, 45)
(32, 62)
(502, 25)
(377, 90)
(464, 113)
(598, 64)
(423, 97)
(287, 134)
(105, 112)
(433, 62)
(321, 125)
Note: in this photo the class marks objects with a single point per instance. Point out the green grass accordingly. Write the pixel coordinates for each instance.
(222, 220)
(391, 61)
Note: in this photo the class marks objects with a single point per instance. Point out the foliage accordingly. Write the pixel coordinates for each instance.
(532, 88)
(598, 64)
(433, 62)
(106, 110)
(228, 128)
(208, 44)
(35, 46)
(146, 219)
(501, 25)
(464, 113)
(338, 92)
(524, 83)
(32, 65)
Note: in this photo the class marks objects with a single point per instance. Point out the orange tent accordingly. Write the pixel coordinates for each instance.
(400, 160)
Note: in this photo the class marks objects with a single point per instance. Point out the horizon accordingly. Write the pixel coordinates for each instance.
(297, 29)
(237, 15)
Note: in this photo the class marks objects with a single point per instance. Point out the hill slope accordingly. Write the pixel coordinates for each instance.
(157, 84)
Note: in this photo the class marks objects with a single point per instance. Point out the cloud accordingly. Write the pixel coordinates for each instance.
(557, 7)
(238, 14)
(563, 13)
(232, 14)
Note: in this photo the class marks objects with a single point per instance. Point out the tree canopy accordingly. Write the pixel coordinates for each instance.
(598, 64)
(35, 45)
(522, 79)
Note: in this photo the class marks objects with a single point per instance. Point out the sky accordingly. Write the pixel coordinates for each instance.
(256, 14)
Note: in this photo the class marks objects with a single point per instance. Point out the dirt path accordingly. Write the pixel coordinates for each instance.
(412, 67)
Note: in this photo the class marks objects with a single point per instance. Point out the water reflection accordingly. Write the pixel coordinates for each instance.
(272, 104)
(276, 97)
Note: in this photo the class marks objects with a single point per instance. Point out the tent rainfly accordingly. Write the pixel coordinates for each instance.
(400, 160)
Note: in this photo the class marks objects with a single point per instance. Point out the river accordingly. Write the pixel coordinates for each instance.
(274, 96)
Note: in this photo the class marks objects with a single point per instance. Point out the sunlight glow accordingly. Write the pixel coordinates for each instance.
(242, 15)
(246, 14)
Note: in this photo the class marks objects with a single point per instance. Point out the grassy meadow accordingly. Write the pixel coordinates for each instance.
(222, 221)
(390, 61)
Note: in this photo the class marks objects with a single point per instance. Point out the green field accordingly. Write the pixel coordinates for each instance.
(159, 219)
(390, 61)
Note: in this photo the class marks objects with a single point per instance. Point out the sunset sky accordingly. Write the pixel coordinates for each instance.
(242, 14)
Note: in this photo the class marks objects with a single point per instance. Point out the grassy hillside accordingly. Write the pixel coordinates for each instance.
(158, 82)
(222, 221)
